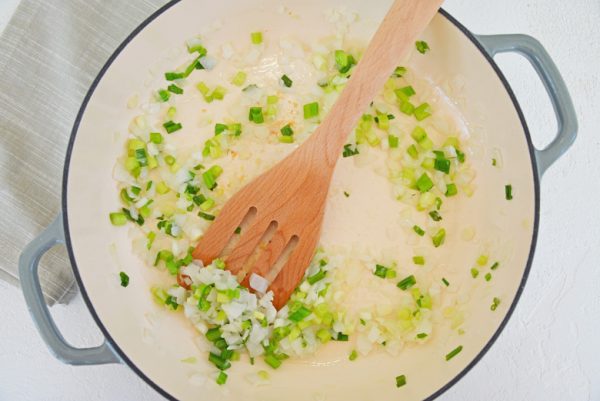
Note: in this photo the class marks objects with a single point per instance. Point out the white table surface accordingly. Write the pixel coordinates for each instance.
(550, 349)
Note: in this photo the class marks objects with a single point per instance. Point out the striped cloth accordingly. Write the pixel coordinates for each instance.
(50, 52)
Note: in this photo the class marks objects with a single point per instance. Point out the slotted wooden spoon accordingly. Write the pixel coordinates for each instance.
(289, 199)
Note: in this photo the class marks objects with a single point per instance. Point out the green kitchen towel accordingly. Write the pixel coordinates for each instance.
(50, 52)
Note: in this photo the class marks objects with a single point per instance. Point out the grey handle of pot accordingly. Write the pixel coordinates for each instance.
(539, 58)
(30, 283)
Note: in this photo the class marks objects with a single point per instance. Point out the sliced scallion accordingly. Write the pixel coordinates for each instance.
(406, 283)
(239, 78)
(203, 89)
(439, 237)
(170, 160)
(213, 334)
(287, 82)
(221, 378)
(218, 93)
(171, 126)
(406, 107)
(495, 303)
(118, 219)
(508, 192)
(287, 130)
(442, 165)
(195, 46)
(272, 361)
(424, 183)
(399, 72)
(315, 278)
(218, 361)
(348, 151)
(175, 89)
(163, 95)
(256, 115)
(420, 232)
(400, 380)
(256, 38)
(172, 76)
(418, 260)
(482, 260)
(380, 271)
(435, 216)
(413, 152)
(151, 237)
(300, 314)
(124, 279)
(405, 92)
(210, 176)
(422, 46)
(311, 110)
(451, 190)
(206, 216)
(220, 128)
(156, 137)
(235, 129)
(454, 352)
(343, 61)
(422, 111)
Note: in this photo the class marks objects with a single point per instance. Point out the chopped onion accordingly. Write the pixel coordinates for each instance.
(258, 283)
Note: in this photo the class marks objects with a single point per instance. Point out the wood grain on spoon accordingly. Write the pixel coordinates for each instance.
(291, 196)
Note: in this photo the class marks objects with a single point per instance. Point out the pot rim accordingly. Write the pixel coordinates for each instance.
(123, 356)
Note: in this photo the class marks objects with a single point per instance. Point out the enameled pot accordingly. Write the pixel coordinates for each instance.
(96, 248)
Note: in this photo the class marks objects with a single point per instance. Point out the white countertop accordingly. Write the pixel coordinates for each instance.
(549, 351)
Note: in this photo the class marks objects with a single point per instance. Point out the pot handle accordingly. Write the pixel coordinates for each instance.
(30, 284)
(539, 58)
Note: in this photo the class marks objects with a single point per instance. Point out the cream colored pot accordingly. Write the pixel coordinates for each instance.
(98, 250)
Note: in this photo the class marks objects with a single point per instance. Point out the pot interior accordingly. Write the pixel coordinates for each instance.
(154, 340)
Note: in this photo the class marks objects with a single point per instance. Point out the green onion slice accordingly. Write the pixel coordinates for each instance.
(287, 82)
(175, 89)
(406, 283)
(508, 192)
(380, 271)
(300, 314)
(422, 46)
(256, 38)
(439, 237)
(287, 130)
(311, 110)
(124, 279)
(171, 126)
(454, 352)
(348, 151)
(420, 232)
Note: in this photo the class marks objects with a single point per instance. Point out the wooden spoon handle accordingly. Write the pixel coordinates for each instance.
(405, 20)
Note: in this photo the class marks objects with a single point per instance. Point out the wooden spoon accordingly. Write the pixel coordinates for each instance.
(289, 199)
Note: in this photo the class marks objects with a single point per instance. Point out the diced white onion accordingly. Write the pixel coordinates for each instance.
(258, 283)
